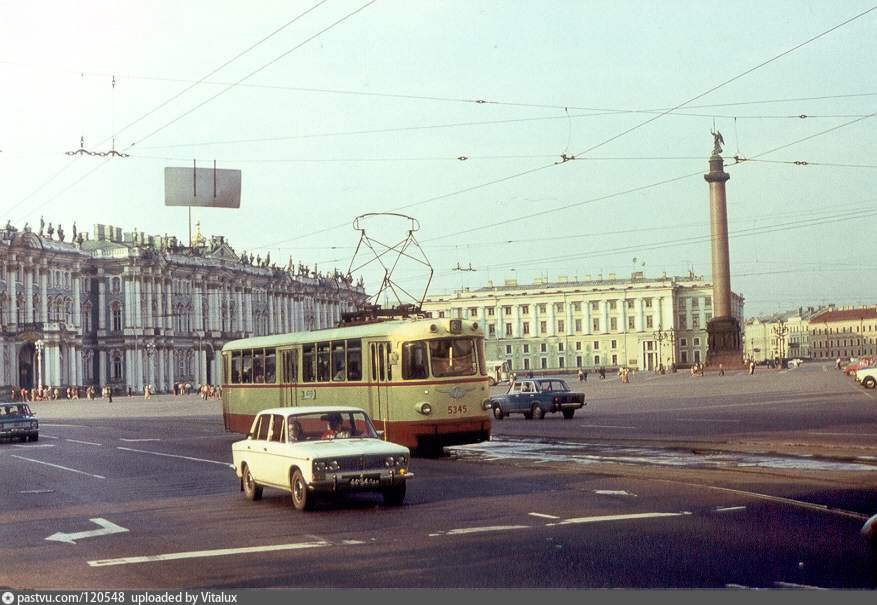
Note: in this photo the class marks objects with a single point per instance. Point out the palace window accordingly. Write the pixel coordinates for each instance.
(116, 311)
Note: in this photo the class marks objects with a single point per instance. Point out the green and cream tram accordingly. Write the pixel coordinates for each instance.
(423, 381)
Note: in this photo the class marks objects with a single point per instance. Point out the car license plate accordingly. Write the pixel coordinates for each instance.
(369, 481)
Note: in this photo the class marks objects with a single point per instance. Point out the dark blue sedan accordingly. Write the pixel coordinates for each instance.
(535, 397)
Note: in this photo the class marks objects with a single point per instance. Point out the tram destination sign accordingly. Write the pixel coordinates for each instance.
(202, 187)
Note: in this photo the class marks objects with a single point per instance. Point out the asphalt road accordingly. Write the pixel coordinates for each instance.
(548, 503)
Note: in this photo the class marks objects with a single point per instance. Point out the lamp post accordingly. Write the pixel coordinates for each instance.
(38, 345)
(662, 335)
(780, 330)
(150, 351)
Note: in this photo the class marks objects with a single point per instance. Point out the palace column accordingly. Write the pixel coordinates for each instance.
(44, 296)
(28, 295)
(12, 272)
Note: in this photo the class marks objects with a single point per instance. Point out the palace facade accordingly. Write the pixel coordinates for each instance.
(128, 309)
(635, 322)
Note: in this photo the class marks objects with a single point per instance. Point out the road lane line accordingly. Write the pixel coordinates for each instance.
(137, 440)
(198, 554)
(478, 530)
(34, 446)
(793, 585)
(604, 426)
(76, 426)
(543, 515)
(84, 442)
(37, 491)
(727, 509)
(704, 420)
(630, 517)
(128, 449)
(846, 434)
(614, 492)
(72, 470)
(44, 436)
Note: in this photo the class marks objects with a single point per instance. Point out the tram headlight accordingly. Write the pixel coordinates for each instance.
(424, 408)
(486, 404)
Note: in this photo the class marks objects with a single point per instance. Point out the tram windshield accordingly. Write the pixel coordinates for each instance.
(452, 357)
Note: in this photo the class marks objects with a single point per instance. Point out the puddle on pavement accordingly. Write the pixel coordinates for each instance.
(542, 451)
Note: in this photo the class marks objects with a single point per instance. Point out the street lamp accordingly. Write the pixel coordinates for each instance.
(150, 350)
(38, 345)
(780, 330)
(661, 336)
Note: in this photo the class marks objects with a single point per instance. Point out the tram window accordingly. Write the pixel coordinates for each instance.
(354, 360)
(236, 367)
(290, 367)
(479, 350)
(247, 371)
(389, 363)
(258, 366)
(339, 362)
(452, 357)
(381, 362)
(374, 349)
(323, 362)
(307, 363)
(270, 366)
(414, 361)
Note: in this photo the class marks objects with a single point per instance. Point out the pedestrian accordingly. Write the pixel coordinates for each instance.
(751, 367)
(109, 393)
(602, 373)
(701, 369)
(721, 370)
(581, 375)
(585, 374)
(837, 363)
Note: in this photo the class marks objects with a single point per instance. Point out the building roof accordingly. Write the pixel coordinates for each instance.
(846, 315)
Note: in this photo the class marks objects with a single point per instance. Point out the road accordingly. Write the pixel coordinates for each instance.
(773, 497)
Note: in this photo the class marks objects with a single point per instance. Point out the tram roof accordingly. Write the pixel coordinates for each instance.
(380, 328)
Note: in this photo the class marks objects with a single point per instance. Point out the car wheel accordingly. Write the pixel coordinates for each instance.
(869, 382)
(251, 490)
(537, 412)
(568, 414)
(35, 437)
(497, 412)
(491, 381)
(394, 496)
(301, 499)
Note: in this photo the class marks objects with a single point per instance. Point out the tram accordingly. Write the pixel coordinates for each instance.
(422, 380)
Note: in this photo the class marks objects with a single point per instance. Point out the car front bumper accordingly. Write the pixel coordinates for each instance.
(359, 481)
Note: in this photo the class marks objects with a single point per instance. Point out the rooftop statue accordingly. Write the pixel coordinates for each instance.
(718, 141)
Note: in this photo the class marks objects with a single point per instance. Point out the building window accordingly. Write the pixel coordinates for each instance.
(541, 308)
(525, 309)
(683, 325)
(694, 303)
(526, 363)
(578, 345)
(577, 306)
(473, 312)
(615, 360)
(649, 322)
(595, 324)
(578, 361)
(596, 360)
(696, 356)
(596, 345)
(526, 328)
(490, 311)
(491, 329)
(560, 325)
(441, 313)
(508, 329)
(526, 348)
(683, 342)
(595, 305)
(648, 303)
(508, 349)
(611, 305)
(543, 327)
(683, 356)
(558, 307)
(117, 366)
(695, 321)
(117, 317)
(578, 325)
(560, 347)
(561, 362)
(697, 342)
(507, 310)
(614, 344)
(631, 324)
(613, 324)
(543, 348)
(544, 363)
(630, 303)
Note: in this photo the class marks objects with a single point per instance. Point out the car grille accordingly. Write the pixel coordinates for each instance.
(361, 463)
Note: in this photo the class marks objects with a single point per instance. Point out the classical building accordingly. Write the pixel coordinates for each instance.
(844, 332)
(131, 309)
(638, 322)
(780, 335)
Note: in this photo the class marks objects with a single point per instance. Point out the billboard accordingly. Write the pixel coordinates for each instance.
(202, 187)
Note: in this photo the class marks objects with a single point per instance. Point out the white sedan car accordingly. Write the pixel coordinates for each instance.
(313, 450)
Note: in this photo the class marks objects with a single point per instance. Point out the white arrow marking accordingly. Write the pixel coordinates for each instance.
(107, 529)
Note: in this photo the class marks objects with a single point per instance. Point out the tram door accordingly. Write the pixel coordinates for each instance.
(379, 391)
(288, 378)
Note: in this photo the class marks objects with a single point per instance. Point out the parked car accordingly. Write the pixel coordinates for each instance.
(867, 377)
(537, 397)
(17, 420)
(794, 363)
(860, 364)
(312, 450)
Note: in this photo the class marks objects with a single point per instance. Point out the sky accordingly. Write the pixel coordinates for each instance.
(528, 140)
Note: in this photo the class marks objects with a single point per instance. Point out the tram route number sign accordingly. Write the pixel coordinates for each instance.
(202, 187)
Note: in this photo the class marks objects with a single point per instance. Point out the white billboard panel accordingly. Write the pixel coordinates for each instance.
(202, 187)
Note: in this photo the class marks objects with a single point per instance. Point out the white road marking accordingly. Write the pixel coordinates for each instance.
(197, 554)
(44, 436)
(543, 515)
(37, 491)
(478, 530)
(614, 492)
(128, 449)
(793, 585)
(602, 518)
(83, 442)
(728, 509)
(137, 440)
(604, 426)
(107, 528)
(76, 426)
(704, 420)
(34, 446)
(72, 470)
(740, 586)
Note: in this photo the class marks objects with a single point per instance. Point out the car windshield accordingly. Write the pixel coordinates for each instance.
(328, 426)
(15, 410)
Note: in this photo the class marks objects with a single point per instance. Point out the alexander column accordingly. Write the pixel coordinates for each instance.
(723, 329)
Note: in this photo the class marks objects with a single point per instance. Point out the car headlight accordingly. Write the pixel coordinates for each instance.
(333, 466)
(319, 466)
(389, 461)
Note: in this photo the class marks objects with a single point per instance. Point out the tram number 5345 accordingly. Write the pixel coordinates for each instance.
(457, 409)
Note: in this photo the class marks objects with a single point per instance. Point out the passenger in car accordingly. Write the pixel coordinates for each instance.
(295, 431)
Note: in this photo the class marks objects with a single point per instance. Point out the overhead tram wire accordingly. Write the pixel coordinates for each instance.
(164, 103)
(615, 137)
(157, 130)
